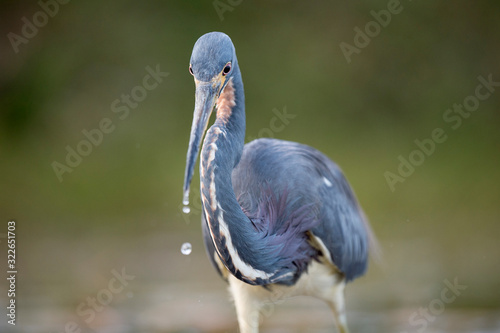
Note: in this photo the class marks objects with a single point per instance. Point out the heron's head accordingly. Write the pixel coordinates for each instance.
(212, 59)
(213, 63)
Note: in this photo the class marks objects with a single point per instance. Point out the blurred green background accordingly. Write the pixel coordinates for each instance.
(120, 206)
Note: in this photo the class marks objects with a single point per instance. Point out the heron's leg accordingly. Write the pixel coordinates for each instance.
(337, 304)
(326, 283)
(247, 305)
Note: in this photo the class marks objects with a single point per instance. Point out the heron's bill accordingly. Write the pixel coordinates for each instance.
(206, 97)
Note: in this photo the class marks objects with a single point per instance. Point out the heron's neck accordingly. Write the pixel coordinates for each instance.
(233, 235)
(231, 116)
(224, 141)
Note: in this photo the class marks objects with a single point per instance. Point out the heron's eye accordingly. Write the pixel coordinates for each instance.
(226, 69)
(191, 70)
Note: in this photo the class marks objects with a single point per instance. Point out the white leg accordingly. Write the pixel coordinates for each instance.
(247, 305)
(325, 283)
(321, 281)
(337, 304)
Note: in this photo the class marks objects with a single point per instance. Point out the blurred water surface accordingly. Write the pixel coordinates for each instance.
(166, 291)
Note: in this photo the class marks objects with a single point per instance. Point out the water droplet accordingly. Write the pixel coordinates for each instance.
(185, 198)
(186, 209)
(186, 249)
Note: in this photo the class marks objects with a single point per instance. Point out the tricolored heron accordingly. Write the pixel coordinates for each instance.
(279, 218)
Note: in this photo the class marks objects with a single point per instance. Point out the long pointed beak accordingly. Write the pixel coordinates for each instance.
(206, 97)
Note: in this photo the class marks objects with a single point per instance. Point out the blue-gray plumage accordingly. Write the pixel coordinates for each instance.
(276, 214)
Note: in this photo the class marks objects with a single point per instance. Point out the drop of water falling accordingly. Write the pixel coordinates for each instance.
(185, 198)
(186, 249)
(186, 209)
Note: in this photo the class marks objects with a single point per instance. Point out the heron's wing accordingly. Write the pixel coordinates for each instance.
(311, 179)
(343, 230)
